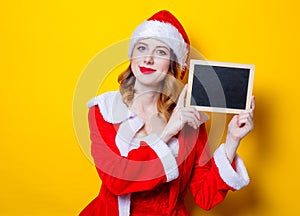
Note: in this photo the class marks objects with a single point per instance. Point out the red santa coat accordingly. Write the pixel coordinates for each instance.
(145, 176)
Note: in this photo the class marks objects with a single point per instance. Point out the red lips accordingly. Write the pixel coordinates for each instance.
(146, 70)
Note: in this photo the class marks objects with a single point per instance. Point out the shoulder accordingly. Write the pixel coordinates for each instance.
(111, 106)
(106, 97)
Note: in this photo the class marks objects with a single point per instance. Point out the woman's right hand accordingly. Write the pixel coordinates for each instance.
(181, 115)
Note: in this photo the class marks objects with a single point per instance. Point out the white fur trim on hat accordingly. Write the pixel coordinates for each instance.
(164, 32)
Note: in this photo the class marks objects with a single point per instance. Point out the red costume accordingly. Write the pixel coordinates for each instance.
(147, 177)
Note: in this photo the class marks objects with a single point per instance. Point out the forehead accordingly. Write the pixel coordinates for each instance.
(152, 42)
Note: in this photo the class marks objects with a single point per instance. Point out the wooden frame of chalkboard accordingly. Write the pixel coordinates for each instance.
(220, 86)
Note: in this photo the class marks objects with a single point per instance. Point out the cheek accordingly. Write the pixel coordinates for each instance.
(135, 58)
(165, 65)
(136, 55)
(134, 62)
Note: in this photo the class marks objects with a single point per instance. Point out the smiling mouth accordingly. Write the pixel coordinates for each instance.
(146, 70)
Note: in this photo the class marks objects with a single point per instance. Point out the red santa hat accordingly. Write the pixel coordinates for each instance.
(165, 27)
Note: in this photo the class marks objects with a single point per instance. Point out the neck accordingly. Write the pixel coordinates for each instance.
(145, 98)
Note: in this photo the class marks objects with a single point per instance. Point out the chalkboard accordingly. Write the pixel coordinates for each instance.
(220, 86)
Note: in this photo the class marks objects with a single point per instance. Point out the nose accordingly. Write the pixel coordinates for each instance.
(148, 59)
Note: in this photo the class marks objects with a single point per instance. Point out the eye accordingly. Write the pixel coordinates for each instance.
(161, 52)
(141, 48)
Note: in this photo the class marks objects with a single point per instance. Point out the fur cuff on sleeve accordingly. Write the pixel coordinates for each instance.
(236, 179)
(165, 155)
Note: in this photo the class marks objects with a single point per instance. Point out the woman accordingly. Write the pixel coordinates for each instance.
(148, 148)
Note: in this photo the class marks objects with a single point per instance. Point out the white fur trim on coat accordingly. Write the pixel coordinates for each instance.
(115, 111)
(112, 107)
(174, 146)
(235, 179)
(124, 204)
(165, 155)
(125, 135)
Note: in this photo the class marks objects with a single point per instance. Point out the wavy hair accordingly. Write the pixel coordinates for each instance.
(170, 92)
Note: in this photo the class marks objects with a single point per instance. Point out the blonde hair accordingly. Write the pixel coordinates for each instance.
(168, 97)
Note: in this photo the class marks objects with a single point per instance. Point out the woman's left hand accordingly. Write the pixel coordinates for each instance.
(240, 125)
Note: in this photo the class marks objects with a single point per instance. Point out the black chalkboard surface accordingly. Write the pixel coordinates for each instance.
(220, 86)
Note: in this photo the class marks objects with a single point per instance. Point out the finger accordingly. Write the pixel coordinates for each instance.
(252, 107)
(191, 119)
(192, 110)
(246, 113)
(180, 101)
(234, 121)
(193, 124)
(247, 126)
(242, 122)
(245, 120)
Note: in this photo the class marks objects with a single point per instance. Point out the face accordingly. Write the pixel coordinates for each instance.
(150, 61)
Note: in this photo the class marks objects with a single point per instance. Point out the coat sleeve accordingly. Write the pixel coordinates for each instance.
(143, 169)
(213, 177)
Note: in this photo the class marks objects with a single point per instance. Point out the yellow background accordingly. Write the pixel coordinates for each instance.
(45, 47)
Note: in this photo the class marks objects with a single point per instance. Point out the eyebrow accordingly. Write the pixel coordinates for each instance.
(163, 47)
(159, 46)
(142, 43)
